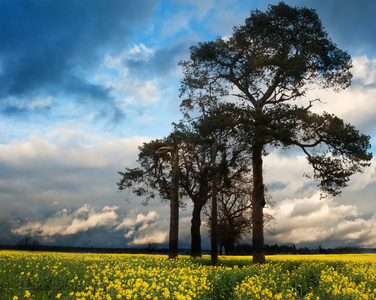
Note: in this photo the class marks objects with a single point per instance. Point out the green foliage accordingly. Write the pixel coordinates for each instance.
(262, 69)
(46, 275)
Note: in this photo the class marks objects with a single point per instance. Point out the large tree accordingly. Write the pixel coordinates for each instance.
(158, 171)
(266, 67)
(220, 160)
(204, 155)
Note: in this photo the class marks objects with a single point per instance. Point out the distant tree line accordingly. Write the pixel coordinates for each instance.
(245, 249)
(239, 249)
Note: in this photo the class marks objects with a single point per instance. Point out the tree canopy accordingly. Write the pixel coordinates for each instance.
(266, 68)
(242, 96)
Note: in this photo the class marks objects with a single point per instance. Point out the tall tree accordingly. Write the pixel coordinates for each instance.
(227, 155)
(172, 153)
(180, 164)
(266, 66)
(158, 171)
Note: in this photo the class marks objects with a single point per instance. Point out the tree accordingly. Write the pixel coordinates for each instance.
(234, 218)
(28, 242)
(200, 142)
(235, 214)
(190, 160)
(159, 161)
(223, 155)
(195, 179)
(172, 153)
(266, 67)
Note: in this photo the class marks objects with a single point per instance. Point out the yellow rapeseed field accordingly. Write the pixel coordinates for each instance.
(46, 275)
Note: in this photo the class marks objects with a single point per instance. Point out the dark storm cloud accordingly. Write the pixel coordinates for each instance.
(351, 24)
(50, 48)
(159, 63)
(13, 109)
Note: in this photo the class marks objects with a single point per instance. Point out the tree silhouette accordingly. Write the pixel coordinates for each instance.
(266, 68)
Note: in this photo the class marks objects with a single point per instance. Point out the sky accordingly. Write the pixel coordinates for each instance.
(84, 83)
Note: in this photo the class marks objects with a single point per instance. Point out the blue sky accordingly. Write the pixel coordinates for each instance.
(84, 83)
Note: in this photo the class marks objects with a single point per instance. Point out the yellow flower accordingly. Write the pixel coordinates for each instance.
(15, 298)
(27, 294)
(58, 296)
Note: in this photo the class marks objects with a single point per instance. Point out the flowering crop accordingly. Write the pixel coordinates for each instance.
(312, 277)
(43, 275)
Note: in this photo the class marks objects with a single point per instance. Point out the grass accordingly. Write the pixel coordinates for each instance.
(48, 275)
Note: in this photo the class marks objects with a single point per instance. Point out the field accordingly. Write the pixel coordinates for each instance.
(46, 275)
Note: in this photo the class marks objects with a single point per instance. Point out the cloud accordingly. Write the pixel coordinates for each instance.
(142, 228)
(21, 108)
(157, 237)
(355, 105)
(63, 169)
(53, 47)
(283, 180)
(144, 62)
(311, 221)
(129, 223)
(143, 76)
(276, 185)
(350, 23)
(65, 222)
(67, 149)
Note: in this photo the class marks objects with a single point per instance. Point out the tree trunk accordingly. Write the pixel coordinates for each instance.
(220, 249)
(229, 246)
(174, 205)
(258, 203)
(214, 216)
(214, 240)
(195, 231)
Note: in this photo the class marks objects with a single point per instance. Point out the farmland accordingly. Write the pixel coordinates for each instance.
(51, 275)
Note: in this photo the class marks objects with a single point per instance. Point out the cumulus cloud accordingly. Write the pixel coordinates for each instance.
(302, 218)
(284, 175)
(67, 222)
(311, 220)
(157, 237)
(65, 168)
(142, 228)
(355, 105)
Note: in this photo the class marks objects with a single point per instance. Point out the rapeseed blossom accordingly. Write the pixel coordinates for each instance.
(40, 275)
(312, 277)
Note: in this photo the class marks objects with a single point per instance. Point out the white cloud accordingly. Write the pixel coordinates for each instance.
(365, 70)
(356, 104)
(143, 228)
(145, 92)
(157, 237)
(360, 181)
(311, 220)
(132, 221)
(124, 81)
(67, 151)
(286, 172)
(65, 222)
(36, 104)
